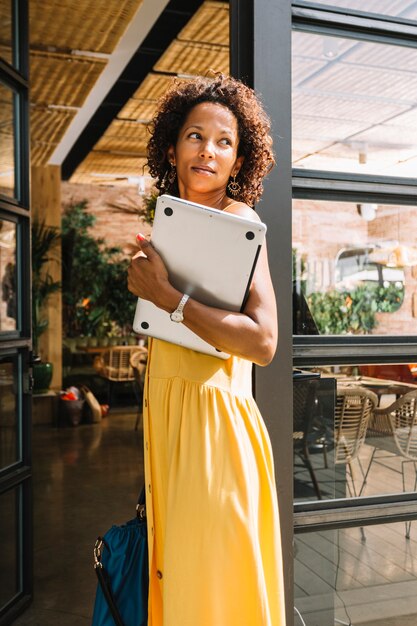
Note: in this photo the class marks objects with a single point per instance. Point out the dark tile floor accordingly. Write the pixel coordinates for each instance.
(85, 479)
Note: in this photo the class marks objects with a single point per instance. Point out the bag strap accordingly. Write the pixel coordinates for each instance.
(104, 582)
(141, 505)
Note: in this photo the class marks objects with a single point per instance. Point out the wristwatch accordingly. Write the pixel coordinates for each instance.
(178, 315)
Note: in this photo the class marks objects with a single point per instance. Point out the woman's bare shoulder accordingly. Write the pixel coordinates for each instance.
(242, 209)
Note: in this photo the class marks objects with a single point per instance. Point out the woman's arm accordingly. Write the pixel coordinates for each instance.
(252, 334)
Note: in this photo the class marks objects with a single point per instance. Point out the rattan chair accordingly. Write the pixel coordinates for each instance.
(400, 420)
(138, 362)
(114, 365)
(354, 408)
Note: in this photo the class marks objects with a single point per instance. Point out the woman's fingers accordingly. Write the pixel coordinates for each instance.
(146, 247)
(147, 274)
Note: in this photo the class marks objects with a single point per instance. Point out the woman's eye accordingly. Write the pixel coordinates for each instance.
(226, 141)
(195, 135)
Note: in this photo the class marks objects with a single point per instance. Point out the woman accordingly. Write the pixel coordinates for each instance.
(214, 540)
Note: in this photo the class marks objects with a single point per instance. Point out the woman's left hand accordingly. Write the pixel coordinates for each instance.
(147, 274)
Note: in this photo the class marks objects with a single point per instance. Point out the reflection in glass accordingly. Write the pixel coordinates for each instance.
(9, 528)
(355, 275)
(6, 29)
(355, 431)
(8, 277)
(7, 152)
(341, 579)
(354, 106)
(405, 9)
(9, 446)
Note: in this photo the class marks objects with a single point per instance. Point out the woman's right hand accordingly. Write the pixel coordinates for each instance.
(147, 274)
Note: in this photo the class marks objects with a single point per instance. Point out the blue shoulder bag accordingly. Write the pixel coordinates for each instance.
(121, 565)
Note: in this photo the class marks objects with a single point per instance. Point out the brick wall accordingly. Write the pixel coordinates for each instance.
(115, 227)
(322, 229)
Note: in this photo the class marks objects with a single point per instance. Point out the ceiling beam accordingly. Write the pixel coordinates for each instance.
(145, 17)
(163, 31)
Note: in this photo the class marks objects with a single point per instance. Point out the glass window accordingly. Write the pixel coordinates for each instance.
(6, 30)
(8, 276)
(355, 431)
(9, 533)
(7, 145)
(406, 9)
(354, 106)
(358, 273)
(356, 576)
(10, 451)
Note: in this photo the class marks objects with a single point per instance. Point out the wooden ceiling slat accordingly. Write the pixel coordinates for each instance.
(105, 163)
(153, 87)
(63, 79)
(118, 144)
(41, 152)
(193, 58)
(124, 136)
(210, 24)
(138, 110)
(87, 25)
(49, 125)
(128, 130)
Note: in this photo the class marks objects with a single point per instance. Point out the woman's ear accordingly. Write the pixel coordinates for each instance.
(171, 155)
(238, 165)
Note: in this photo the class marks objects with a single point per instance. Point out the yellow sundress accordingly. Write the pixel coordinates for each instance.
(213, 525)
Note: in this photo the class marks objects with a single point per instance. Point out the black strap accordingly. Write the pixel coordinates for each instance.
(142, 496)
(106, 589)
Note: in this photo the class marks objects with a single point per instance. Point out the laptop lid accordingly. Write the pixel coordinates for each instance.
(210, 255)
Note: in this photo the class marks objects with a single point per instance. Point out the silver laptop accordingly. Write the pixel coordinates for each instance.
(210, 255)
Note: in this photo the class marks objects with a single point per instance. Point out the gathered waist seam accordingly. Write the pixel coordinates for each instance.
(227, 389)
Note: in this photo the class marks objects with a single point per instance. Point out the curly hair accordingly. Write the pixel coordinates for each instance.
(255, 142)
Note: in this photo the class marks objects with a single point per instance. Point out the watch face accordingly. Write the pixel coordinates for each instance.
(177, 316)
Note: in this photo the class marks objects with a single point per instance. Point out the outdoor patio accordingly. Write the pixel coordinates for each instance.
(371, 581)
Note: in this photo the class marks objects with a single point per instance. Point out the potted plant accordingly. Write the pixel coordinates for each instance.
(94, 281)
(44, 241)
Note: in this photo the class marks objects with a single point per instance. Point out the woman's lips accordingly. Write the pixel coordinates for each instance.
(201, 169)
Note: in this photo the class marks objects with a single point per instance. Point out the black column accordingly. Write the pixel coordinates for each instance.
(260, 45)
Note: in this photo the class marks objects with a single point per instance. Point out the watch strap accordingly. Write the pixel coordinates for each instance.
(181, 305)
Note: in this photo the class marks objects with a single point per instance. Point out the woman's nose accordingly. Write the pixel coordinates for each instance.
(207, 150)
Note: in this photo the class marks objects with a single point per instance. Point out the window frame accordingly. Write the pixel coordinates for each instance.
(324, 185)
(313, 350)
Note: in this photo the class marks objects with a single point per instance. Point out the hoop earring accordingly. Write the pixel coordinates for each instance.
(172, 174)
(234, 187)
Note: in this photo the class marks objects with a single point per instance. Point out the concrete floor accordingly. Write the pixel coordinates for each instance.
(85, 479)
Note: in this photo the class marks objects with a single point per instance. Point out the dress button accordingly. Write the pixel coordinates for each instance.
(159, 574)
(146, 402)
(149, 487)
(147, 445)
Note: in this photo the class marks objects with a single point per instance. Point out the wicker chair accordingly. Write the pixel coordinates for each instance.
(354, 408)
(138, 362)
(400, 420)
(114, 366)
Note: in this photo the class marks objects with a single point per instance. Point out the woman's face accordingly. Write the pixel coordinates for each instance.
(205, 154)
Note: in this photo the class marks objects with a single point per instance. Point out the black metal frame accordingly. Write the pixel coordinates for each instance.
(260, 48)
(17, 344)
